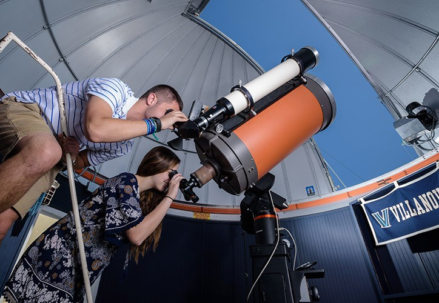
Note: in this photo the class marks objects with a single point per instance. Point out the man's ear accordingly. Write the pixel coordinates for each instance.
(151, 99)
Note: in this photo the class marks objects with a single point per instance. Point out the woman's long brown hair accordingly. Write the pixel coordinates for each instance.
(157, 160)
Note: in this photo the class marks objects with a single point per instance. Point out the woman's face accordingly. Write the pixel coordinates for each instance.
(161, 180)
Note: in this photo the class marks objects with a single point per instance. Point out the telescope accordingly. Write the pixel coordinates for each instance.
(252, 129)
(240, 139)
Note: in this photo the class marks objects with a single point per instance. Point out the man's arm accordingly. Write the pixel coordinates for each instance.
(99, 126)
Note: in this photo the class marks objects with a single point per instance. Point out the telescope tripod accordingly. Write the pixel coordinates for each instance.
(279, 282)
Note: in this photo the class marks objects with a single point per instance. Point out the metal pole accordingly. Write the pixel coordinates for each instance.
(3, 43)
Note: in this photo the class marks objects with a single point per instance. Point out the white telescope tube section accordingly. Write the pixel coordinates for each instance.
(3, 43)
(269, 81)
(264, 84)
(244, 97)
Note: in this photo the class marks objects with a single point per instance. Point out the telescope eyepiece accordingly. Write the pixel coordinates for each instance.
(186, 188)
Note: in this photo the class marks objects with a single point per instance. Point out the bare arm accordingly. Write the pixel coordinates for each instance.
(137, 234)
(101, 127)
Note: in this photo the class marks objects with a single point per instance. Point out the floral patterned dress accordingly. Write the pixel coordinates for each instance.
(50, 269)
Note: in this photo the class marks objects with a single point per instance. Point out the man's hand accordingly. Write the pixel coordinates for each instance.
(68, 145)
(169, 119)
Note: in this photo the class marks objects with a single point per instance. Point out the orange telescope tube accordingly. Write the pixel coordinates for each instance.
(281, 128)
(240, 159)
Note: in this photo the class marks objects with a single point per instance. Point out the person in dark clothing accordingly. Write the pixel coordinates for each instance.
(128, 208)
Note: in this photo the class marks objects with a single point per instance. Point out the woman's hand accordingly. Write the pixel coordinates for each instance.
(174, 185)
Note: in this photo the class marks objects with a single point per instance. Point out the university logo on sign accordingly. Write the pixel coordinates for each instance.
(405, 208)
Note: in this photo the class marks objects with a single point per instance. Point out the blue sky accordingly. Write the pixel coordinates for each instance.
(361, 143)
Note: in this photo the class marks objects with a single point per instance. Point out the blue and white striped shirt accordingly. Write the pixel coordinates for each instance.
(113, 91)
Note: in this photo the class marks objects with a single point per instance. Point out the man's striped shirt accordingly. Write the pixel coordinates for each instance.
(76, 94)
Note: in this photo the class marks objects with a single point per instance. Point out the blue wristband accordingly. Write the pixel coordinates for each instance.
(152, 127)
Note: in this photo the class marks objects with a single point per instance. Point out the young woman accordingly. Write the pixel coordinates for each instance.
(127, 208)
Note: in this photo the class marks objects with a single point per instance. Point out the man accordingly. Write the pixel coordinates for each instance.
(102, 115)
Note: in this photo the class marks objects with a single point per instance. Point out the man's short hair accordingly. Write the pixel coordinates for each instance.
(166, 92)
